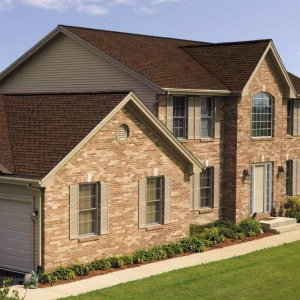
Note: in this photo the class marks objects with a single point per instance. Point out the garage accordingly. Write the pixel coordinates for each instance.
(16, 235)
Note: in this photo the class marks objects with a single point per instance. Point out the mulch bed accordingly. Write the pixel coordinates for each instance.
(229, 242)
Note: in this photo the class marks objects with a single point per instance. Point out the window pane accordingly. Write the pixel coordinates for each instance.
(206, 187)
(179, 116)
(154, 201)
(206, 117)
(261, 115)
(86, 222)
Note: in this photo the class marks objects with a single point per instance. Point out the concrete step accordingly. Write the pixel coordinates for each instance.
(286, 228)
(277, 222)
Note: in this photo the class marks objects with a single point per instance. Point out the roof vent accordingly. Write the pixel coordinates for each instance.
(123, 132)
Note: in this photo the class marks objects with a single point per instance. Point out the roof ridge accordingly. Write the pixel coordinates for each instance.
(131, 33)
(228, 43)
(69, 93)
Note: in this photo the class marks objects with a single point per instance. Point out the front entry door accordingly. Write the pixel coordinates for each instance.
(261, 188)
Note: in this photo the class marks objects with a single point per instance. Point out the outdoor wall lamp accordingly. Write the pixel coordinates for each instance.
(33, 215)
(280, 171)
(246, 175)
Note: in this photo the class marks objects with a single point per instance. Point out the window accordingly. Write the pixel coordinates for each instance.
(154, 201)
(262, 115)
(179, 117)
(206, 187)
(207, 117)
(289, 178)
(290, 117)
(88, 200)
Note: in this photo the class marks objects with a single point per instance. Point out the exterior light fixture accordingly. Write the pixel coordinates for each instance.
(33, 215)
(246, 175)
(280, 171)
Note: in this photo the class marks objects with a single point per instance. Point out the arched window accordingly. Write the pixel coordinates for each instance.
(262, 115)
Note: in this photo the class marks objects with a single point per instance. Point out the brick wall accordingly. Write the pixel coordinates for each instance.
(121, 165)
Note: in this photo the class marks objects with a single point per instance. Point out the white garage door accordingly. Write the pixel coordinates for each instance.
(16, 235)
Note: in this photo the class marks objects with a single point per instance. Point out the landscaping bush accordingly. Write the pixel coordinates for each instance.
(196, 229)
(127, 259)
(79, 269)
(212, 235)
(227, 232)
(293, 208)
(47, 278)
(100, 264)
(116, 261)
(250, 227)
(64, 273)
(192, 244)
(139, 256)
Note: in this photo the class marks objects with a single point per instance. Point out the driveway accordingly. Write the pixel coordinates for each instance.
(17, 278)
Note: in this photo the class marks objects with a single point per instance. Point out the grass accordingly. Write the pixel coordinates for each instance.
(267, 274)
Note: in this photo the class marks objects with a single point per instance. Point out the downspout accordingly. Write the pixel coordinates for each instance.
(39, 190)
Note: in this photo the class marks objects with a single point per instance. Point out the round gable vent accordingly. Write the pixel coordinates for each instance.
(123, 132)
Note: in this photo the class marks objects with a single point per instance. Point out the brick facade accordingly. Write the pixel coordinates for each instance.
(121, 165)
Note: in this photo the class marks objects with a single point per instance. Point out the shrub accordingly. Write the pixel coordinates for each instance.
(139, 256)
(192, 244)
(197, 229)
(225, 224)
(64, 273)
(127, 259)
(250, 227)
(116, 261)
(47, 278)
(100, 264)
(79, 269)
(227, 232)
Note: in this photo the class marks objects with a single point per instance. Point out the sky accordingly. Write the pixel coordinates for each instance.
(24, 22)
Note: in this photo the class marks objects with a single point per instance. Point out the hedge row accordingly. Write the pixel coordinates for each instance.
(201, 236)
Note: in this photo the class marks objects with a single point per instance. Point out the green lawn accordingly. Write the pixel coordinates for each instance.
(267, 274)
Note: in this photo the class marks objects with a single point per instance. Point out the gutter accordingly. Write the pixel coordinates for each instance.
(14, 180)
(39, 190)
(199, 92)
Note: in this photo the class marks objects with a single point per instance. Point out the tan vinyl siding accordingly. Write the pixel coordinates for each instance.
(66, 66)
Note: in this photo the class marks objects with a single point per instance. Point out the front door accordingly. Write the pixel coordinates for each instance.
(261, 188)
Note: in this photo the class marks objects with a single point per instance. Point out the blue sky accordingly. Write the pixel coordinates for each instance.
(24, 22)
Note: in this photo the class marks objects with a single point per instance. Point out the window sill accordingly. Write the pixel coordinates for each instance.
(289, 136)
(262, 138)
(154, 227)
(206, 140)
(205, 210)
(88, 239)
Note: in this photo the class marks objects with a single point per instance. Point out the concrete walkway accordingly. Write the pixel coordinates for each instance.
(103, 281)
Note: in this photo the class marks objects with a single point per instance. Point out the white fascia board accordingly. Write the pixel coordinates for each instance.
(15, 180)
(178, 91)
(29, 53)
(111, 59)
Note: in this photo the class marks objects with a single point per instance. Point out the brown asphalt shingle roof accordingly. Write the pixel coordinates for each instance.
(231, 63)
(295, 81)
(161, 60)
(45, 128)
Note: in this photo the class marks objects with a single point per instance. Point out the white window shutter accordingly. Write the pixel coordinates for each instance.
(217, 130)
(104, 203)
(196, 191)
(170, 113)
(167, 202)
(216, 202)
(197, 118)
(191, 118)
(142, 202)
(296, 177)
(296, 118)
(74, 212)
(192, 192)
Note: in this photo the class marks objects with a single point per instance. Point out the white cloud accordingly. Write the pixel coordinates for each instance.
(93, 9)
(143, 10)
(164, 1)
(59, 5)
(5, 5)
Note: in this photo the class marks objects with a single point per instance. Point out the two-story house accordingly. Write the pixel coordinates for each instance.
(112, 142)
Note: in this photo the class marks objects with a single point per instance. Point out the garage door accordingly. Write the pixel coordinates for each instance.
(16, 235)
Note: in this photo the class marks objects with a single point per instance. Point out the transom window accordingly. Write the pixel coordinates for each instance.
(207, 117)
(179, 116)
(88, 199)
(262, 115)
(206, 187)
(154, 201)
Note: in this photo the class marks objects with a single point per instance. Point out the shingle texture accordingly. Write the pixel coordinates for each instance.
(161, 60)
(231, 63)
(45, 128)
(295, 81)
